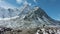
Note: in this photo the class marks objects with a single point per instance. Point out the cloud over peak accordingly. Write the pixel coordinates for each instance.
(6, 5)
(23, 2)
(19, 1)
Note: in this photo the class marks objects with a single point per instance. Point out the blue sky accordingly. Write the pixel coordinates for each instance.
(51, 7)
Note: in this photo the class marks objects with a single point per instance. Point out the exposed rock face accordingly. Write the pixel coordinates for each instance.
(33, 18)
(39, 16)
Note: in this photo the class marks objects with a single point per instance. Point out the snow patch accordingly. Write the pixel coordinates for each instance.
(9, 18)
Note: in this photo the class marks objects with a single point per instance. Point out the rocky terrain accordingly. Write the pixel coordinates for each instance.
(38, 30)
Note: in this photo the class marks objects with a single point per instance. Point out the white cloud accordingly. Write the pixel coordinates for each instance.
(5, 4)
(23, 1)
(34, 0)
(26, 3)
(30, 4)
(19, 1)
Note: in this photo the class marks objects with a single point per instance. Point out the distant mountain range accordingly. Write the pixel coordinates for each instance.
(25, 17)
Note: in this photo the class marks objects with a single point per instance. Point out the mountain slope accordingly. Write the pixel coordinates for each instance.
(7, 13)
(33, 18)
(39, 15)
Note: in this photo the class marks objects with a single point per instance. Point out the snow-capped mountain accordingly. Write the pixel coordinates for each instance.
(8, 13)
(40, 16)
(26, 17)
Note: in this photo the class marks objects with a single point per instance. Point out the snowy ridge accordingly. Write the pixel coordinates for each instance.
(26, 17)
(9, 18)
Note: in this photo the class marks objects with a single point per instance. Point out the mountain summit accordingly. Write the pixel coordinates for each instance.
(28, 18)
